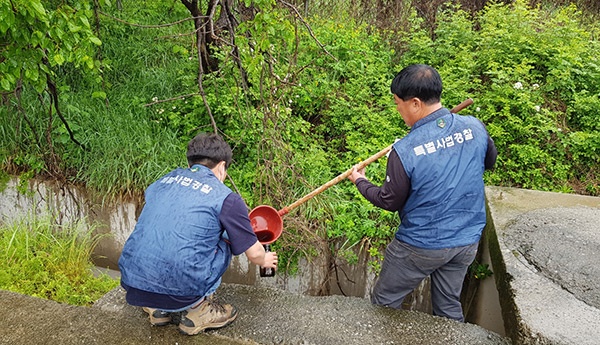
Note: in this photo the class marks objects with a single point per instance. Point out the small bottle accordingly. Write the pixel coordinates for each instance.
(267, 272)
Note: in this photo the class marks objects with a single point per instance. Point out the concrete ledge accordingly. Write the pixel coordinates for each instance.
(533, 258)
(266, 316)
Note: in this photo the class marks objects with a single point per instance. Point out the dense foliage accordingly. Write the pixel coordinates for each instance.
(534, 77)
(301, 96)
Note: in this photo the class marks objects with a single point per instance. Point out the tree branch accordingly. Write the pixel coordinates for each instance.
(235, 50)
(297, 13)
(150, 26)
(54, 95)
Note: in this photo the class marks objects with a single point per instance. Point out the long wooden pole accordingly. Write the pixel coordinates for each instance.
(360, 165)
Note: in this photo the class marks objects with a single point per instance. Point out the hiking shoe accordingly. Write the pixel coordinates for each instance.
(159, 317)
(208, 314)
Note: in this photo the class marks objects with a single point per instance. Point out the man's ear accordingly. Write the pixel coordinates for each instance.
(416, 103)
(221, 167)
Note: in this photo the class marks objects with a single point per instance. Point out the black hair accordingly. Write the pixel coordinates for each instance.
(208, 150)
(420, 81)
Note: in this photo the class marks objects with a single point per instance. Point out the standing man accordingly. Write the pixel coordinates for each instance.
(435, 182)
(183, 241)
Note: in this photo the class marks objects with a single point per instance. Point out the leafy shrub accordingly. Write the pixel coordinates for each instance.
(534, 78)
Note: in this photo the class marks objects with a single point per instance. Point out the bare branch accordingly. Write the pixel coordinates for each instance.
(200, 44)
(150, 26)
(235, 52)
(54, 96)
(297, 13)
(211, 15)
(185, 34)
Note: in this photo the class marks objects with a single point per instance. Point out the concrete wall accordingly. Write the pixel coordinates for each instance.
(66, 204)
(539, 242)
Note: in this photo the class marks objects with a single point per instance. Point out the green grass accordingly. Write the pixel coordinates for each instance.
(43, 259)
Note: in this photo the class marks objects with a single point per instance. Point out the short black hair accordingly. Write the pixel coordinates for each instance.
(208, 150)
(420, 81)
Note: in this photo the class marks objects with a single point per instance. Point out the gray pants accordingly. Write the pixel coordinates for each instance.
(405, 266)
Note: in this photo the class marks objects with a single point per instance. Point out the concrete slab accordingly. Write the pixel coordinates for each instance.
(267, 316)
(28, 320)
(544, 248)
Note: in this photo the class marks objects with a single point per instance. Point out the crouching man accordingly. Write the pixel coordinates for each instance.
(189, 228)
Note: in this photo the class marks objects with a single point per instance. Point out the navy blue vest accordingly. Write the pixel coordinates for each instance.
(443, 156)
(177, 247)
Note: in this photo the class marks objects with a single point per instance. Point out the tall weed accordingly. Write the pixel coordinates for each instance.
(43, 259)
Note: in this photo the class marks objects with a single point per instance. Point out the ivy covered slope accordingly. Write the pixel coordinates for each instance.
(107, 95)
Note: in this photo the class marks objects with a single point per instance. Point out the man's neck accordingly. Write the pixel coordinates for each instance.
(426, 110)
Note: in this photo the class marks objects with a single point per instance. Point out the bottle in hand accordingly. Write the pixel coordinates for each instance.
(267, 272)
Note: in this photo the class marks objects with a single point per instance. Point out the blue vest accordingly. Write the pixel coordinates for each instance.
(443, 156)
(177, 247)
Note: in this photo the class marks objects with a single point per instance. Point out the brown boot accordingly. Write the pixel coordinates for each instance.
(208, 314)
(158, 317)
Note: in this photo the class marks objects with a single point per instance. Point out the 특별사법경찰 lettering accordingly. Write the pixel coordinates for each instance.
(444, 142)
(187, 182)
